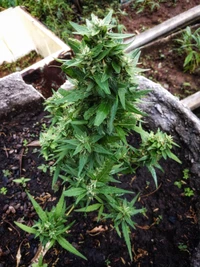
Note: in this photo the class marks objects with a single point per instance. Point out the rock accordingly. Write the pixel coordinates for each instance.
(164, 111)
(17, 96)
(67, 85)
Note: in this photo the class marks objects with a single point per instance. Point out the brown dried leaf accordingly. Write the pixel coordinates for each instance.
(97, 229)
(34, 143)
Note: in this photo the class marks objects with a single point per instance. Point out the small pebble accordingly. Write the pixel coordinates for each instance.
(14, 168)
(23, 194)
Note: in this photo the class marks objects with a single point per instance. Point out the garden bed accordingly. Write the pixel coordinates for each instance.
(166, 236)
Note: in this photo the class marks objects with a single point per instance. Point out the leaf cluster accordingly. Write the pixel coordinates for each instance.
(141, 5)
(190, 47)
(154, 146)
(51, 226)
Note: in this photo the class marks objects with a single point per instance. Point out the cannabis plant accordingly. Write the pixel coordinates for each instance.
(141, 5)
(51, 226)
(190, 47)
(89, 125)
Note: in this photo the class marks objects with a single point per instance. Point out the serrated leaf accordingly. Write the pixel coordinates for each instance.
(66, 245)
(100, 149)
(112, 116)
(73, 96)
(96, 50)
(90, 112)
(113, 190)
(80, 197)
(102, 54)
(90, 208)
(172, 156)
(42, 214)
(78, 149)
(105, 77)
(55, 176)
(72, 63)
(121, 133)
(103, 85)
(131, 108)
(73, 142)
(105, 171)
(73, 192)
(122, 93)
(82, 162)
(78, 122)
(153, 173)
(82, 30)
(102, 113)
(60, 207)
(108, 18)
(100, 212)
(26, 228)
(120, 35)
(188, 59)
(116, 67)
(125, 231)
(74, 44)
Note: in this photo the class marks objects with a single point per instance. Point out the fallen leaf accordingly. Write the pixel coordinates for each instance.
(34, 143)
(97, 229)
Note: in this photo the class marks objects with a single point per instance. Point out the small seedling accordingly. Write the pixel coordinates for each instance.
(158, 219)
(43, 167)
(25, 142)
(23, 181)
(188, 192)
(186, 174)
(190, 47)
(6, 173)
(51, 226)
(3, 190)
(107, 262)
(141, 5)
(179, 184)
(182, 247)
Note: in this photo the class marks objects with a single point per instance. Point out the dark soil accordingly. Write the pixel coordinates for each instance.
(22, 63)
(170, 221)
(166, 236)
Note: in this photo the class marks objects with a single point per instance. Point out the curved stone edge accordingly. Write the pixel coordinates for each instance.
(166, 112)
(16, 96)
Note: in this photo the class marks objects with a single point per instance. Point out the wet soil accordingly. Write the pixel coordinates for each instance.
(166, 236)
